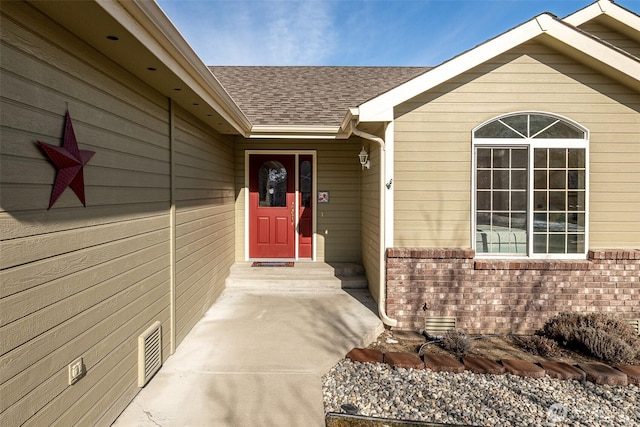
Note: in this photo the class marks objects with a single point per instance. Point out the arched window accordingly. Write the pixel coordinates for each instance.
(530, 186)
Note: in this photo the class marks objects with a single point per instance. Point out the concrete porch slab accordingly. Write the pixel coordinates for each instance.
(256, 358)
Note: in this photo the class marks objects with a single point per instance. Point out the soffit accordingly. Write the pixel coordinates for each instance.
(149, 47)
(629, 31)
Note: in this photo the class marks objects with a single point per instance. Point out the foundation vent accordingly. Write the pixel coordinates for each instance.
(149, 353)
(437, 325)
(635, 324)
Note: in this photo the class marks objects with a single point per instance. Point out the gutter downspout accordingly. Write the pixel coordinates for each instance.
(382, 294)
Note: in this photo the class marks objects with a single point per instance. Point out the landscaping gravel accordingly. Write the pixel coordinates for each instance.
(378, 390)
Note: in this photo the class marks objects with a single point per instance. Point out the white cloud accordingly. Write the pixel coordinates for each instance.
(273, 32)
(300, 32)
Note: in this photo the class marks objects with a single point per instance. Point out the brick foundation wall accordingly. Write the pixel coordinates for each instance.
(507, 296)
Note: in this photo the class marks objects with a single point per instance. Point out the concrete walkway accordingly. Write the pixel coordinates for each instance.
(256, 359)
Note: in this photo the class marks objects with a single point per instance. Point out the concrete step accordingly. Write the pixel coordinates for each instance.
(301, 276)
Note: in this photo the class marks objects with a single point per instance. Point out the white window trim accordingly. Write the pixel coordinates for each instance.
(531, 144)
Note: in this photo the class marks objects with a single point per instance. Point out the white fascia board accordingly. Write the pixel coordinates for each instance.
(353, 113)
(618, 62)
(380, 106)
(624, 17)
(298, 132)
(588, 13)
(148, 23)
(383, 115)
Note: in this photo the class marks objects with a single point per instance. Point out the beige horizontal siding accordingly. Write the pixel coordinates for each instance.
(370, 220)
(612, 36)
(99, 359)
(205, 200)
(76, 281)
(433, 143)
(85, 282)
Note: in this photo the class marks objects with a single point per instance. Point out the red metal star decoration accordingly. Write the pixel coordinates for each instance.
(69, 161)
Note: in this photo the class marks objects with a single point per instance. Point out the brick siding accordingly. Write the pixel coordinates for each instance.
(507, 296)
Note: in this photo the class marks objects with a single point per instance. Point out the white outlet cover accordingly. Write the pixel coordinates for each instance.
(76, 370)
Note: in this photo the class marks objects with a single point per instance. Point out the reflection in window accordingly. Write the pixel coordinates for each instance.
(530, 186)
(559, 215)
(305, 183)
(529, 125)
(272, 184)
(501, 200)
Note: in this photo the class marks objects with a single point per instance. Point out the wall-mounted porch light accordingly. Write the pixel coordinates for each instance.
(364, 159)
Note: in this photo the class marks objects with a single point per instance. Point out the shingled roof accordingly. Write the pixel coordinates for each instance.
(312, 96)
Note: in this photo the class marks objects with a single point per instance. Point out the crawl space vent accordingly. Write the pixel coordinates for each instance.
(437, 325)
(635, 324)
(149, 353)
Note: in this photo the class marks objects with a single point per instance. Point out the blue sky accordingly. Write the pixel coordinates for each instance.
(350, 32)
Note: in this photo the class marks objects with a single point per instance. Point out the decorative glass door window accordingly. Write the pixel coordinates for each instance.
(272, 184)
(530, 187)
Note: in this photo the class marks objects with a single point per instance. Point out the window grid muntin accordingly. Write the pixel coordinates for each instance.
(559, 229)
(579, 133)
(565, 143)
(502, 229)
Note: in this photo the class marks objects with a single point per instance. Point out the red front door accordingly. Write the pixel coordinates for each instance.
(272, 206)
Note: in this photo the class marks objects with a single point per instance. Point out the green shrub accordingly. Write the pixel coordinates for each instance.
(457, 341)
(538, 345)
(599, 334)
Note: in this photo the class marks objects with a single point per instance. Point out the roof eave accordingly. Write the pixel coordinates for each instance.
(376, 108)
(138, 37)
(164, 40)
(566, 37)
(592, 51)
(628, 23)
(297, 132)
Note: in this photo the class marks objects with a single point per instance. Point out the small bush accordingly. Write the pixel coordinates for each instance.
(606, 346)
(538, 345)
(457, 341)
(598, 334)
